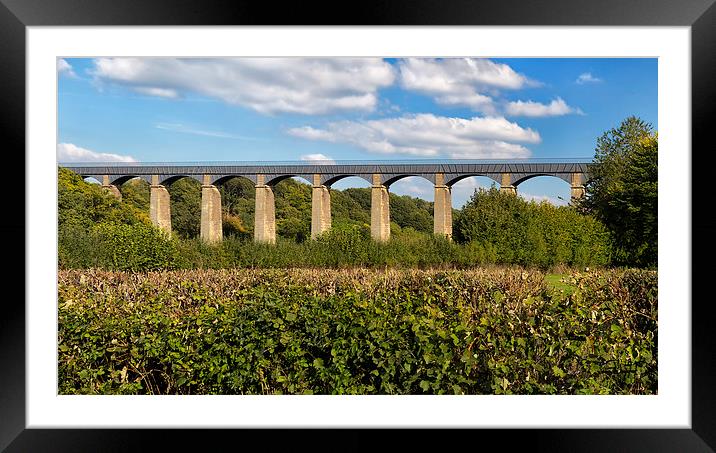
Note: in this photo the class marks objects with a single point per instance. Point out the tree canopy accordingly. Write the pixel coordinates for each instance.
(98, 230)
(513, 230)
(623, 188)
(349, 207)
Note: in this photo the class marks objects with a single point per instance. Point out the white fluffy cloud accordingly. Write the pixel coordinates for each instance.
(63, 67)
(460, 81)
(428, 135)
(318, 158)
(414, 187)
(529, 108)
(159, 92)
(267, 85)
(463, 189)
(68, 152)
(587, 77)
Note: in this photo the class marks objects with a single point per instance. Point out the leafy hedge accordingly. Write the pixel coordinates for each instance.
(140, 247)
(356, 332)
(526, 233)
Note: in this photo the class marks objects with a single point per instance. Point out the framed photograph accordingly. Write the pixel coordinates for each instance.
(42, 42)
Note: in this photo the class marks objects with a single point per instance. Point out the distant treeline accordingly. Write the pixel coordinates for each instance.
(349, 207)
(97, 230)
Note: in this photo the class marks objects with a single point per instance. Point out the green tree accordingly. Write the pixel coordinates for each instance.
(185, 196)
(136, 193)
(494, 217)
(237, 204)
(238, 200)
(83, 204)
(293, 209)
(233, 226)
(95, 229)
(622, 190)
(410, 212)
(501, 227)
(347, 207)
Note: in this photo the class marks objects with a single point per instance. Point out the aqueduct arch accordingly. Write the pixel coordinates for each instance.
(509, 174)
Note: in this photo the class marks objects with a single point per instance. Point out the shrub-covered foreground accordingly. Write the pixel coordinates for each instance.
(356, 332)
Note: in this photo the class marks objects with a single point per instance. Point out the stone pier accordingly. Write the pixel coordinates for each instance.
(509, 174)
(442, 213)
(506, 184)
(320, 208)
(159, 206)
(379, 210)
(111, 188)
(211, 228)
(265, 212)
(577, 189)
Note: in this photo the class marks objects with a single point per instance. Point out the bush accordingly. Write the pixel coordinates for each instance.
(510, 230)
(233, 226)
(97, 230)
(347, 245)
(356, 332)
(81, 203)
(133, 247)
(77, 248)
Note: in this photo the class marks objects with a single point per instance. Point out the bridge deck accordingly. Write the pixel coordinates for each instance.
(333, 167)
(511, 172)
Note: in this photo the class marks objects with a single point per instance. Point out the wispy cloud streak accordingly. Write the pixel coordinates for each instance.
(174, 127)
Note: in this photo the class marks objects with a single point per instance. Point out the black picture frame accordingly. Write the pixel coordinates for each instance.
(700, 15)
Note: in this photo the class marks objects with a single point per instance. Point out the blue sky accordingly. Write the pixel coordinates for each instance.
(261, 109)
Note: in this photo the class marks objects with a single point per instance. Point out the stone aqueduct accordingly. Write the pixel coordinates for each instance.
(509, 174)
